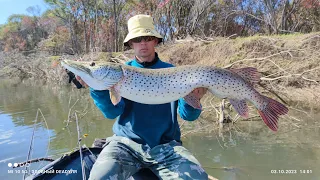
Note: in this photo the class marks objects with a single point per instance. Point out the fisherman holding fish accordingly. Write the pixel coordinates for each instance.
(145, 135)
(146, 95)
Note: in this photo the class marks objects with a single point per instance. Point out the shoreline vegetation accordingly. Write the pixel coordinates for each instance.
(289, 64)
(289, 67)
(279, 38)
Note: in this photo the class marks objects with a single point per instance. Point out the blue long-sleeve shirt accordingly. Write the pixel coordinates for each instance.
(145, 123)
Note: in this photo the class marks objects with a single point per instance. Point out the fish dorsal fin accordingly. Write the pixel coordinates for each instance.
(249, 74)
(114, 96)
(193, 101)
(240, 106)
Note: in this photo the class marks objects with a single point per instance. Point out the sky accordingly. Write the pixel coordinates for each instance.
(9, 7)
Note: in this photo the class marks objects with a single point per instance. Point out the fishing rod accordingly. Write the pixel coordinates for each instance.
(80, 149)
(31, 144)
(28, 161)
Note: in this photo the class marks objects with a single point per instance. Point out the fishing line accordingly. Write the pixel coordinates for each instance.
(80, 149)
(45, 121)
(31, 144)
(70, 111)
(93, 155)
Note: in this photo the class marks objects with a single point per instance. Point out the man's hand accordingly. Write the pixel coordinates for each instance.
(81, 81)
(199, 92)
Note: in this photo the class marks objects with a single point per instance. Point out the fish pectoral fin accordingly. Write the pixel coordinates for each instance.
(114, 96)
(249, 74)
(240, 106)
(193, 101)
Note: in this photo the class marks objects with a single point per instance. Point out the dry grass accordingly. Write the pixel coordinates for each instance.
(289, 64)
(290, 68)
(38, 66)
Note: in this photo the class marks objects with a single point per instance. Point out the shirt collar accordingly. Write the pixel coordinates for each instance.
(148, 64)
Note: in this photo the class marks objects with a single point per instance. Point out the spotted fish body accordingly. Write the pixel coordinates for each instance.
(158, 86)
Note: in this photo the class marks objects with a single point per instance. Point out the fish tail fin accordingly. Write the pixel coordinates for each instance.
(270, 114)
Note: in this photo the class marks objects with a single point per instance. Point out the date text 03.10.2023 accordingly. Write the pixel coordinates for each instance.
(291, 171)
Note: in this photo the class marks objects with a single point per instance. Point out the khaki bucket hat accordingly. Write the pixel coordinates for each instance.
(141, 25)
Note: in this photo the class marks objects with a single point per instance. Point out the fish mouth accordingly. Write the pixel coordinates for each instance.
(77, 68)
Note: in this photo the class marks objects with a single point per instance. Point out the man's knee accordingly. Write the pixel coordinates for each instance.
(105, 170)
(196, 175)
(114, 162)
(193, 171)
(114, 151)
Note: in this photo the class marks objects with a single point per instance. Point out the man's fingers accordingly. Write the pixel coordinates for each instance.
(197, 90)
(81, 81)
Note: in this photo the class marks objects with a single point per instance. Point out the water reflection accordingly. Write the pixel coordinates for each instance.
(19, 104)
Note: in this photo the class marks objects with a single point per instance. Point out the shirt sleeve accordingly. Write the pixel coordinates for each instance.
(186, 111)
(102, 100)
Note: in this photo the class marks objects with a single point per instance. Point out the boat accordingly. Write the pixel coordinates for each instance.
(69, 166)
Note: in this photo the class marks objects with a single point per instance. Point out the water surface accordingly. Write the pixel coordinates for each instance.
(247, 151)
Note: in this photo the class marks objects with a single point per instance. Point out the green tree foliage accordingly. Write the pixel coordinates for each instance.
(58, 42)
(22, 32)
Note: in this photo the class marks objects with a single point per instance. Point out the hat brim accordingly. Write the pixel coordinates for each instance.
(141, 32)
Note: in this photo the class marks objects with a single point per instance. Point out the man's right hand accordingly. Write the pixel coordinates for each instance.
(81, 81)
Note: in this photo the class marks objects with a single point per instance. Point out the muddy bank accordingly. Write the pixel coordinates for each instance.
(289, 64)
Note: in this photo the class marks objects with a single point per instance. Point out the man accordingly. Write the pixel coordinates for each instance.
(146, 136)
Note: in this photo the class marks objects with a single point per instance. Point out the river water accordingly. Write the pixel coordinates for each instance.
(250, 151)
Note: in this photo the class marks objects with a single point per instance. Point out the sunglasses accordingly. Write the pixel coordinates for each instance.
(145, 38)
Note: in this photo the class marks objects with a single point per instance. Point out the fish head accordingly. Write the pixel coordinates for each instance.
(99, 76)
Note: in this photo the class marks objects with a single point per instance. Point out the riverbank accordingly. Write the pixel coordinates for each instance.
(289, 64)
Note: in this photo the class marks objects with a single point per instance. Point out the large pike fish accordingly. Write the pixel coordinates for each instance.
(158, 86)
